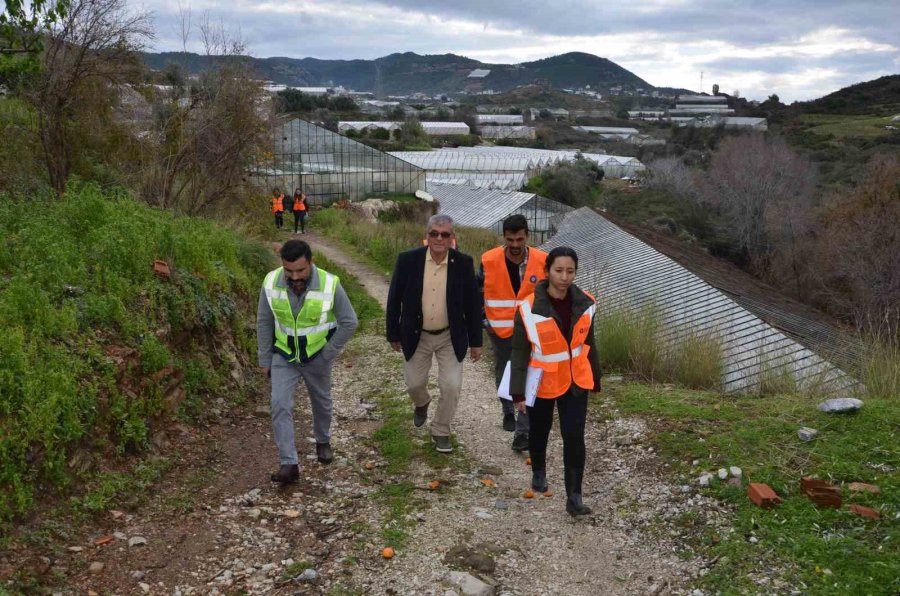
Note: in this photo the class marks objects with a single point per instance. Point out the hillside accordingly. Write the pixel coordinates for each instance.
(879, 97)
(404, 73)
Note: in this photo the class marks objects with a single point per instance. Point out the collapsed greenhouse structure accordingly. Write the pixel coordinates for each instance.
(329, 166)
(628, 275)
(486, 208)
(430, 128)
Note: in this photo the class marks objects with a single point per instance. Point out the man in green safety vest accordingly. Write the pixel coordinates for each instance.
(303, 321)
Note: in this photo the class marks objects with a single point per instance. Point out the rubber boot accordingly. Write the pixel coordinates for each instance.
(538, 481)
(574, 506)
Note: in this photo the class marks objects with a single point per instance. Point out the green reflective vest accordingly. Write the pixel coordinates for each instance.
(300, 339)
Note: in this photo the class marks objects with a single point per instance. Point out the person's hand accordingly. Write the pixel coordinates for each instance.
(395, 345)
(266, 371)
(520, 406)
(475, 354)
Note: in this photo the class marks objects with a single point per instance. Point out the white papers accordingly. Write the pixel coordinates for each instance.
(532, 381)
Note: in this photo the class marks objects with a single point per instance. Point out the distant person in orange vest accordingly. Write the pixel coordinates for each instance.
(278, 208)
(554, 336)
(299, 209)
(508, 274)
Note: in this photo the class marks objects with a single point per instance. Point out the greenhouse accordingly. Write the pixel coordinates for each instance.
(328, 166)
(431, 128)
(490, 131)
(505, 119)
(486, 208)
(632, 276)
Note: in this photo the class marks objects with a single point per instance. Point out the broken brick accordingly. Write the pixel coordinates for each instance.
(822, 493)
(762, 495)
(162, 270)
(865, 511)
(862, 487)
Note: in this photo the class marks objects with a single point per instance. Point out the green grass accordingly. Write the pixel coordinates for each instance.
(368, 311)
(759, 436)
(75, 282)
(380, 243)
(848, 126)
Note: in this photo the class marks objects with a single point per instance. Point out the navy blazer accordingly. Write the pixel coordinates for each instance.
(404, 304)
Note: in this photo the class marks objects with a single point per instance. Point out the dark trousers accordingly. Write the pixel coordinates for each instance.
(502, 350)
(279, 219)
(300, 219)
(572, 407)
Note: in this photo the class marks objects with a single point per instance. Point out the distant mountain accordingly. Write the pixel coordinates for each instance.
(880, 96)
(400, 74)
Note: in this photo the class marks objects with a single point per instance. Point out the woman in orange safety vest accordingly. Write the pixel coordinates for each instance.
(299, 209)
(278, 208)
(554, 336)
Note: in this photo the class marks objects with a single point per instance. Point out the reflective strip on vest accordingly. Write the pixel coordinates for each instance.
(502, 303)
(297, 341)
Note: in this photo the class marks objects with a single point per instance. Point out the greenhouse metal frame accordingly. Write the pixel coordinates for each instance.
(329, 166)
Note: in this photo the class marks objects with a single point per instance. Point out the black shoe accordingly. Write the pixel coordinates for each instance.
(538, 481)
(420, 415)
(323, 452)
(575, 507)
(520, 442)
(286, 474)
(509, 422)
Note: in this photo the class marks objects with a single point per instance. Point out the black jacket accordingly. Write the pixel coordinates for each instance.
(521, 346)
(404, 304)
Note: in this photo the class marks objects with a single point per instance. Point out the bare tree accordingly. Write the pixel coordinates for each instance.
(95, 44)
(747, 177)
(860, 250)
(204, 142)
(671, 174)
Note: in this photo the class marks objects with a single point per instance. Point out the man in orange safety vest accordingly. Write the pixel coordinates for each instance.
(508, 275)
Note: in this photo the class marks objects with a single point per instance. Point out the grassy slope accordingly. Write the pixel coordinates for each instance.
(76, 285)
(759, 436)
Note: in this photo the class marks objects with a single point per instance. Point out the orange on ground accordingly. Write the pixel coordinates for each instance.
(434, 484)
(527, 461)
(528, 494)
(487, 482)
(549, 493)
(387, 552)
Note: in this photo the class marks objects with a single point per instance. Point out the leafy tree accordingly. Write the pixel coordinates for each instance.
(569, 182)
(23, 24)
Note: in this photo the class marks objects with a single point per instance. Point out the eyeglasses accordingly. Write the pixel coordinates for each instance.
(435, 234)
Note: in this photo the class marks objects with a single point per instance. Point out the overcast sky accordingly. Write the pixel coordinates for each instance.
(800, 50)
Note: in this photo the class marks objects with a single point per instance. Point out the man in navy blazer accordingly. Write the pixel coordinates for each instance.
(434, 309)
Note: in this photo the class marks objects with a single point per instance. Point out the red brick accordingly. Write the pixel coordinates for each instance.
(862, 487)
(820, 492)
(162, 269)
(865, 511)
(762, 495)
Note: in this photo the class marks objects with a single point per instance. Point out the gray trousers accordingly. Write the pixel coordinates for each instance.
(502, 351)
(285, 377)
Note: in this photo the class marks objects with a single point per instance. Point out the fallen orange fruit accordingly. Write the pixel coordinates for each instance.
(548, 493)
(387, 553)
(527, 461)
(487, 482)
(528, 494)
(434, 484)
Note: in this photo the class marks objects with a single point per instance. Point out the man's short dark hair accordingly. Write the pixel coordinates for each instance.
(294, 249)
(514, 223)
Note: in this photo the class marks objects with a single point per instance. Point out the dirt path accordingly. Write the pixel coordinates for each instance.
(537, 547)
(216, 525)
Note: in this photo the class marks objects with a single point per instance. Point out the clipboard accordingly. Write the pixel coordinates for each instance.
(532, 382)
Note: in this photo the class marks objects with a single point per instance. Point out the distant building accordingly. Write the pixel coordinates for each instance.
(431, 128)
(501, 119)
(757, 124)
(479, 73)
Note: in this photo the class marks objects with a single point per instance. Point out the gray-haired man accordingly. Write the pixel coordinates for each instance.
(434, 310)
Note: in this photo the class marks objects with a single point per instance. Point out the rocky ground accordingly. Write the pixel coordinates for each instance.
(216, 525)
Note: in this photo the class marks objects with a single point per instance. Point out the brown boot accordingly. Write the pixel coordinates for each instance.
(323, 453)
(286, 474)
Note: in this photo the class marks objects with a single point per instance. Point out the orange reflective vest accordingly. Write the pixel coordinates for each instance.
(278, 204)
(562, 362)
(499, 299)
(300, 203)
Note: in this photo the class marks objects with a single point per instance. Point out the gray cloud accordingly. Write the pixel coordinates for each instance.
(664, 44)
